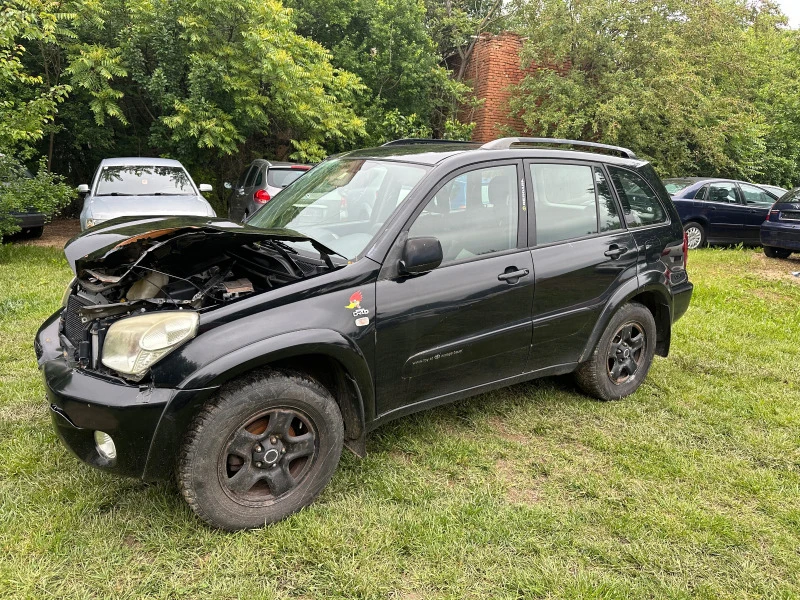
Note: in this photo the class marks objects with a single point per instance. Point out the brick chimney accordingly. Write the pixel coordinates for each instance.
(492, 68)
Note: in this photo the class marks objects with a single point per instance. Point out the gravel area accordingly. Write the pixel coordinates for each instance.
(56, 234)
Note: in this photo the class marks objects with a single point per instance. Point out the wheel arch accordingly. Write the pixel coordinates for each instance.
(327, 356)
(655, 299)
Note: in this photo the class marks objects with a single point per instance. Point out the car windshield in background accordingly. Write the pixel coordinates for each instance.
(674, 187)
(341, 203)
(140, 180)
(283, 177)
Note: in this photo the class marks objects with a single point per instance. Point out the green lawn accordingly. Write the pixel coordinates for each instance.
(689, 488)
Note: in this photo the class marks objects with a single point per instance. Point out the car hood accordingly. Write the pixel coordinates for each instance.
(108, 207)
(126, 241)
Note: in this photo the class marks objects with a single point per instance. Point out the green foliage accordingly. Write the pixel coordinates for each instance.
(682, 82)
(45, 192)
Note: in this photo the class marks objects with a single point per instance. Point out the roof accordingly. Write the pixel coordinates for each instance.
(432, 154)
(140, 160)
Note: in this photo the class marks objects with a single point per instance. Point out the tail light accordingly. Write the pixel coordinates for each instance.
(773, 214)
(685, 250)
(262, 196)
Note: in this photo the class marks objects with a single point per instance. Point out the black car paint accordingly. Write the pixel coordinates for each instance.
(421, 328)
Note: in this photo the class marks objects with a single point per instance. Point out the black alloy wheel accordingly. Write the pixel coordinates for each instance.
(264, 448)
(625, 353)
(622, 356)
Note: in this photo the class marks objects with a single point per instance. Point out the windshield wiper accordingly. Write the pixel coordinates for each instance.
(326, 253)
(116, 194)
(284, 250)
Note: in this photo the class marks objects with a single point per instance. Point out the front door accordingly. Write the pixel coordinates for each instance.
(467, 322)
(581, 253)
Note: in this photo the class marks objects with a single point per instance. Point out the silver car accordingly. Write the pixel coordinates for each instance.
(129, 187)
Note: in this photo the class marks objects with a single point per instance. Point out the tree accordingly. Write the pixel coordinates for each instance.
(672, 79)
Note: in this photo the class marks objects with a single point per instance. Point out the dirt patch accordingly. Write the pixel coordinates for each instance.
(500, 426)
(519, 488)
(56, 234)
(779, 269)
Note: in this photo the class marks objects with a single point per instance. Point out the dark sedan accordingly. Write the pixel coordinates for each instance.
(721, 211)
(780, 233)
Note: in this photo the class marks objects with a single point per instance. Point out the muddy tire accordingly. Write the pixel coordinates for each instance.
(623, 355)
(263, 449)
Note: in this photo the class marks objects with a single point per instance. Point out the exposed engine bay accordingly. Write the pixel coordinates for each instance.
(187, 271)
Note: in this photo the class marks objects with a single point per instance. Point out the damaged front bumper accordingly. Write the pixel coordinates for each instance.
(82, 402)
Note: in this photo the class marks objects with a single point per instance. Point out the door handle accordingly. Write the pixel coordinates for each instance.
(515, 274)
(615, 251)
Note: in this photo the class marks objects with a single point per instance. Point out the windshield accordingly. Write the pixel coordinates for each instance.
(138, 180)
(676, 186)
(341, 203)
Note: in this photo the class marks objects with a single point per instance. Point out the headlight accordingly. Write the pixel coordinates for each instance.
(93, 222)
(134, 344)
(67, 292)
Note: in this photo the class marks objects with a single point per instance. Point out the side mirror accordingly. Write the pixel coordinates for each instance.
(227, 185)
(205, 187)
(83, 189)
(420, 255)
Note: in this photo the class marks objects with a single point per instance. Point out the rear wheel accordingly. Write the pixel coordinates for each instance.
(773, 252)
(623, 355)
(695, 235)
(265, 448)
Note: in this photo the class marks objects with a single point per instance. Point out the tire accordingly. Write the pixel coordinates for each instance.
(623, 355)
(34, 232)
(263, 449)
(773, 252)
(695, 235)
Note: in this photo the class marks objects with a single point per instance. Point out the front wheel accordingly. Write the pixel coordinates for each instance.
(623, 355)
(695, 235)
(773, 252)
(264, 449)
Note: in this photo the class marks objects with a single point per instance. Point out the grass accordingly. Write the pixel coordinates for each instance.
(689, 488)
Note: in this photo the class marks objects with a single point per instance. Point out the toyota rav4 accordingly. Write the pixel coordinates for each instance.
(240, 359)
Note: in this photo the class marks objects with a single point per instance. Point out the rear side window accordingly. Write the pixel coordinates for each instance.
(259, 178)
(640, 204)
(755, 196)
(282, 177)
(251, 176)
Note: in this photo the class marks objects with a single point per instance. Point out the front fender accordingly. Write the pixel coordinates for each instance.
(199, 387)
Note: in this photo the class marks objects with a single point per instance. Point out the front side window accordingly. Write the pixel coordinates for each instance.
(755, 196)
(137, 180)
(341, 203)
(640, 205)
(722, 192)
(473, 214)
(565, 202)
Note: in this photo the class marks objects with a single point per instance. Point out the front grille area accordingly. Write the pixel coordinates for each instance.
(790, 215)
(74, 328)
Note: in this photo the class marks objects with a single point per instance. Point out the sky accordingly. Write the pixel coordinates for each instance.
(791, 8)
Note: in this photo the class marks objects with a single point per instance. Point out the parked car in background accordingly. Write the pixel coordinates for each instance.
(128, 187)
(780, 233)
(31, 222)
(722, 211)
(258, 184)
(241, 358)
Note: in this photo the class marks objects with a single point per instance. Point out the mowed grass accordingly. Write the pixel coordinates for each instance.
(689, 488)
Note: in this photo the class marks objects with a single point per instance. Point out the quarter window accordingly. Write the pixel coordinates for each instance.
(640, 205)
(473, 214)
(755, 196)
(565, 202)
(700, 195)
(607, 208)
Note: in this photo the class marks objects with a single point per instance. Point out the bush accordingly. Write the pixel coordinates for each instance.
(20, 191)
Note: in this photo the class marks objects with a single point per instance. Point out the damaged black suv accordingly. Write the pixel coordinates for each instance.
(241, 358)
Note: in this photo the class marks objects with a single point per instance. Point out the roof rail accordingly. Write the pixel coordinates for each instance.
(506, 143)
(404, 141)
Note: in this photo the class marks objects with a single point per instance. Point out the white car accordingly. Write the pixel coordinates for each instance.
(132, 187)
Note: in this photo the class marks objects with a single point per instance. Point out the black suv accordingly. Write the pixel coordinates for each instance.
(241, 358)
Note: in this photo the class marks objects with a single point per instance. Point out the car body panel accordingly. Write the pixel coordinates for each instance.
(402, 342)
(782, 228)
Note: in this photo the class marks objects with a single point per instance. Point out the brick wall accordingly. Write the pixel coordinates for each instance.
(494, 66)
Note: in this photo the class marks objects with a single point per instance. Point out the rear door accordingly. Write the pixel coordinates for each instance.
(726, 213)
(581, 253)
(757, 203)
(467, 322)
(238, 201)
